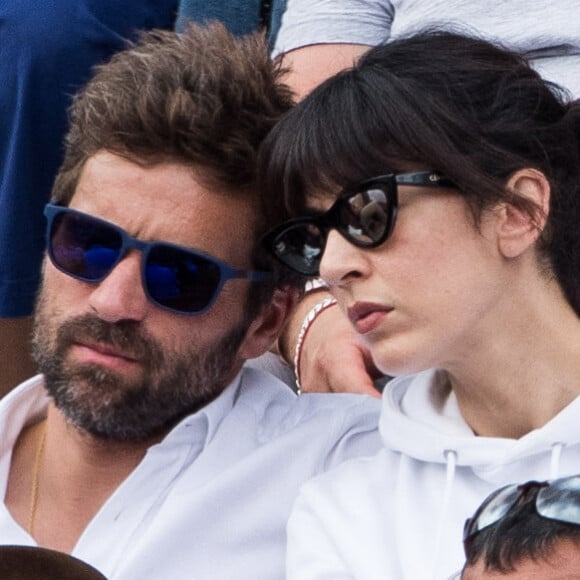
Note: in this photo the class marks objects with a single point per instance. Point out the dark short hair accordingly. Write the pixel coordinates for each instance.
(519, 536)
(446, 101)
(202, 98)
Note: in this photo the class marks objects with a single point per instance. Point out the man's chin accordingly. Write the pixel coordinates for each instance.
(92, 389)
(106, 418)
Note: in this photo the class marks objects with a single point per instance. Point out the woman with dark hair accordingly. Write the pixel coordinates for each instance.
(469, 291)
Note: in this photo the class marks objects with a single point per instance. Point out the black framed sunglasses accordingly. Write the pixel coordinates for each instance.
(176, 278)
(364, 214)
(558, 499)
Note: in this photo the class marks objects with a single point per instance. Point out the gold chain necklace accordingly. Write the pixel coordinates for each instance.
(36, 480)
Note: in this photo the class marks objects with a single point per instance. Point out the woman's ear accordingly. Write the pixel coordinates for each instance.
(266, 327)
(518, 228)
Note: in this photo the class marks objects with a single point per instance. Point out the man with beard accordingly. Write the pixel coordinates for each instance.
(144, 448)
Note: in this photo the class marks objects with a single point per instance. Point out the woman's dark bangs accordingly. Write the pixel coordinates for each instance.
(337, 136)
(357, 125)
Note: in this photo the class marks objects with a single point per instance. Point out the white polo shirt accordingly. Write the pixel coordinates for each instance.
(211, 500)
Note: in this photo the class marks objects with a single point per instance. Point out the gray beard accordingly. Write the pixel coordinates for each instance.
(104, 404)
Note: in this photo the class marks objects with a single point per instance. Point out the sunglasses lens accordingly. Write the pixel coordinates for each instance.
(560, 500)
(181, 280)
(300, 247)
(365, 217)
(495, 507)
(83, 247)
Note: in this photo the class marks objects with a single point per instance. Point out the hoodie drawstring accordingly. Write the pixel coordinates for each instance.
(451, 463)
(555, 460)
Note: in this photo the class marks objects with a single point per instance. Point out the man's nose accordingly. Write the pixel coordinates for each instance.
(121, 296)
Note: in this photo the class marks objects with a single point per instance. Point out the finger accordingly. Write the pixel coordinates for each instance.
(340, 369)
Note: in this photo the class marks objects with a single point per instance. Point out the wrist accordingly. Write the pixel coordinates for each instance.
(315, 290)
(307, 322)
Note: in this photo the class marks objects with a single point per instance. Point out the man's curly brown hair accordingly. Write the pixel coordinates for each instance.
(203, 98)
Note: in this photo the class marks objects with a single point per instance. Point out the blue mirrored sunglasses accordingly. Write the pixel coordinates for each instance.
(176, 278)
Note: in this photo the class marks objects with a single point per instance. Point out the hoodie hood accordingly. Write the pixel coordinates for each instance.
(402, 511)
(421, 419)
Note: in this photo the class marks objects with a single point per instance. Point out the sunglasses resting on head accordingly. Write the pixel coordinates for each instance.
(176, 278)
(364, 214)
(511, 516)
(558, 499)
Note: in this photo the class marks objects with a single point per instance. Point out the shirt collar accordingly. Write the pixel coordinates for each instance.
(28, 403)
(205, 422)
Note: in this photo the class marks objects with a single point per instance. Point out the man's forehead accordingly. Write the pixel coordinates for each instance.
(166, 201)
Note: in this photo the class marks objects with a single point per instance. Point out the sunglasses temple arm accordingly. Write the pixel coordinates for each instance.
(255, 276)
(424, 179)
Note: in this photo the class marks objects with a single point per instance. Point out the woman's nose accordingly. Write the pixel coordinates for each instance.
(341, 261)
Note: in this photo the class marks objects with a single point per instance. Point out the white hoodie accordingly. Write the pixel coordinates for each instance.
(400, 515)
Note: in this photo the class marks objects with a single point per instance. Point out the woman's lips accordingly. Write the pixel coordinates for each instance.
(366, 316)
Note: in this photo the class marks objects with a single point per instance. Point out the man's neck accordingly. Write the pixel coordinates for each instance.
(60, 477)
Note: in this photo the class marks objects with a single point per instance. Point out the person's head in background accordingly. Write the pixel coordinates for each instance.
(485, 213)
(163, 146)
(529, 531)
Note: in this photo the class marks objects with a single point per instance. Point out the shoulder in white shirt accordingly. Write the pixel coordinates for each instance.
(211, 500)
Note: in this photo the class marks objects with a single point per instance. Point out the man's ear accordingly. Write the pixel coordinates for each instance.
(519, 229)
(265, 329)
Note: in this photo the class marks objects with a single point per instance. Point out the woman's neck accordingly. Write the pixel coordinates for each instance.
(521, 376)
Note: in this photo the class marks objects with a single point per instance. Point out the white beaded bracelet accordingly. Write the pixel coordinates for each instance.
(315, 284)
(311, 286)
(308, 320)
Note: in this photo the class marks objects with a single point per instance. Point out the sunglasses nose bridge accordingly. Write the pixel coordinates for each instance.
(337, 218)
(326, 222)
(129, 243)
